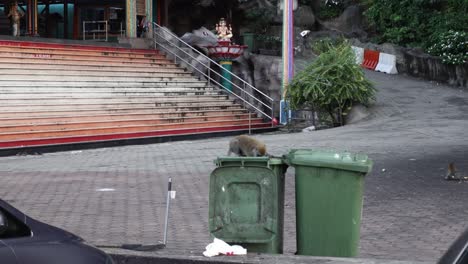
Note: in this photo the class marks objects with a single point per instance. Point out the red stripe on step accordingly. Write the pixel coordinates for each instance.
(86, 139)
(72, 46)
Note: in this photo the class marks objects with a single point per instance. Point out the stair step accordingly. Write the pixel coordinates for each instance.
(110, 84)
(123, 129)
(92, 73)
(48, 112)
(50, 52)
(103, 123)
(33, 56)
(19, 119)
(26, 95)
(71, 78)
(122, 63)
(105, 67)
(108, 106)
(99, 90)
(121, 136)
(66, 46)
(22, 98)
(4, 102)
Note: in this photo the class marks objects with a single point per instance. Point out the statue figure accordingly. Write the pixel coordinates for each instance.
(224, 31)
(15, 17)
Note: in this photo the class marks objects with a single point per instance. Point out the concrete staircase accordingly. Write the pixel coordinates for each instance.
(56, 94)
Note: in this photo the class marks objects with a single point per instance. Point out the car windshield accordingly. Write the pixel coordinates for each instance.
(14, 228)
(463, 257)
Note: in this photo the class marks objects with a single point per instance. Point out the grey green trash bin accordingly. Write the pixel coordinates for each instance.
(248, 39)
(246, 202)
(329, 196)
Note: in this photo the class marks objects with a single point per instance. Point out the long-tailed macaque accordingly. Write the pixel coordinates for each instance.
(246, 146)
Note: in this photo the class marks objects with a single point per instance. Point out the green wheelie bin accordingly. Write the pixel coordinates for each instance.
(329, 197)
(249, 41)
(246, 202)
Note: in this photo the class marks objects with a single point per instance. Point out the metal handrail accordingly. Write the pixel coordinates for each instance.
(209, 70)
(112, 27)
(96, 31)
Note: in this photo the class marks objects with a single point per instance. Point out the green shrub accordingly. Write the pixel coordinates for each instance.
(330, 9)
(452, 46)
(332, 84)
(399, 22)
(325, 44)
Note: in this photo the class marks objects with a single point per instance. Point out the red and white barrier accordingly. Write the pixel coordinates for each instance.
(387, 63)
(375, 60)
(371, 59)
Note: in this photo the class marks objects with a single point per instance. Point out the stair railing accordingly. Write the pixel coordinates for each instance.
(96, 29)
(169, 43)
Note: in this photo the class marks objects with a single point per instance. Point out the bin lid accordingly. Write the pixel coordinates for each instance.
(222, 161)
(330, 159)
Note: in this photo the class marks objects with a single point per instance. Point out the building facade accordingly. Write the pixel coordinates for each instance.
(75, 19)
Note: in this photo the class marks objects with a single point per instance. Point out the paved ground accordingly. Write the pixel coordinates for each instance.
(410, 212)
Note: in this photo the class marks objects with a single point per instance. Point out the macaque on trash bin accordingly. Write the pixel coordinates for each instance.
(246, 146)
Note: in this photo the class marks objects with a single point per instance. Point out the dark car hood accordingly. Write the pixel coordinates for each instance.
(40, 230)
(47, 244)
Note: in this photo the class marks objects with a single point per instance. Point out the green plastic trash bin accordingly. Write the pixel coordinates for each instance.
(329, 196)
(246, 202)
(248, 39)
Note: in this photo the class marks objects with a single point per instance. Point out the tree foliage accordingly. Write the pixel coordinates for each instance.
(416, 22)
(452, 46)
(332, 83)
(420, 23)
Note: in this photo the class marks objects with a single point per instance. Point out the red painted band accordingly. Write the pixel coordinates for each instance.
(13, 43)
(98, 138)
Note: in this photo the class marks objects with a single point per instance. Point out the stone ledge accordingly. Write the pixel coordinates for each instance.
(164, 256)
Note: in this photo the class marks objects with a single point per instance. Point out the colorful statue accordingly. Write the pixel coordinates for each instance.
(15, 17)
(224, 31)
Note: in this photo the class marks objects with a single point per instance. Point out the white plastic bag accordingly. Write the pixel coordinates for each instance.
(220, 247)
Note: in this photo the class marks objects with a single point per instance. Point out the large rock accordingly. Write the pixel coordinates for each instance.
(304, 17)
(315, 4)
(194, 60)
(350, 22)
(264, 73)
(200, 38)
(248, 4)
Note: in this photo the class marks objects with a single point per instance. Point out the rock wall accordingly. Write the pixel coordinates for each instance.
(432, 68)
(264, 73)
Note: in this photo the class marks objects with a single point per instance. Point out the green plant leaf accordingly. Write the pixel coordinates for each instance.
(331, 83)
